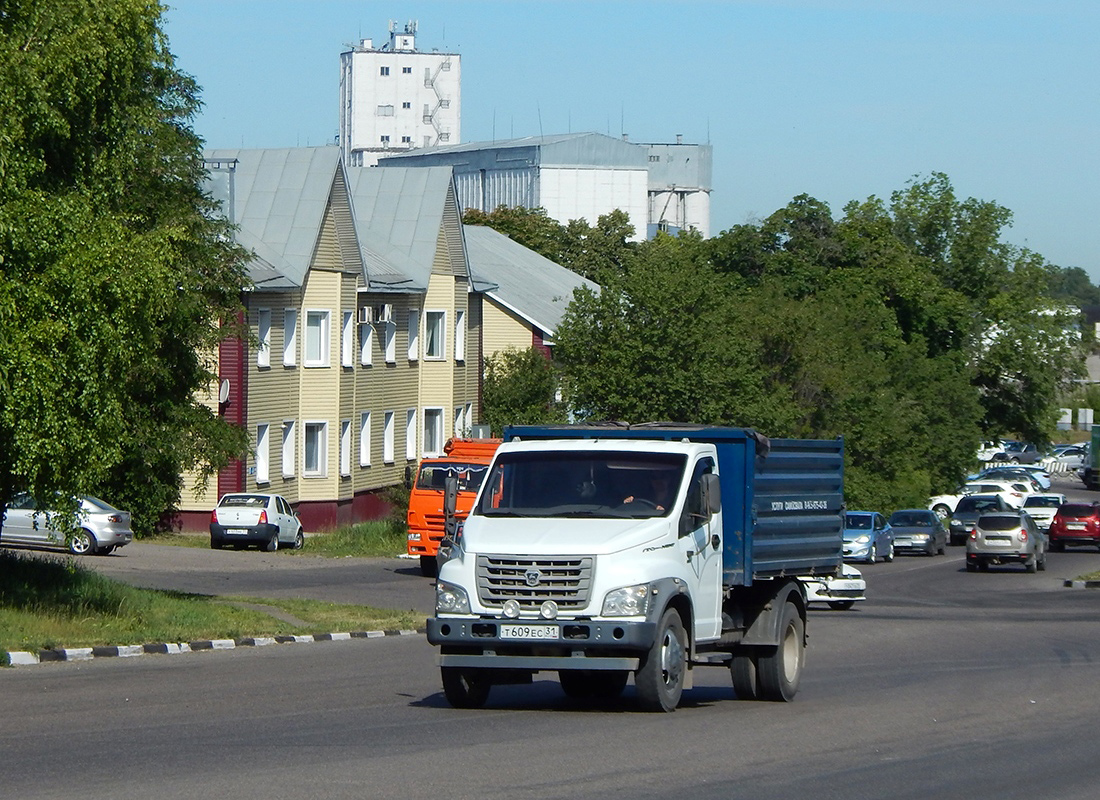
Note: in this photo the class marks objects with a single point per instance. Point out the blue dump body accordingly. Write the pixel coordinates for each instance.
(782, 499)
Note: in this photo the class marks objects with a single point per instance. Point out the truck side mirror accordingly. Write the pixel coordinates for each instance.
(450, 502)
(712, 493)
(409, 476)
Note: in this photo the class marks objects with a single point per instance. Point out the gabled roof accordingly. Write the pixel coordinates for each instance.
(534, 287)
(279, 201)
(398, 213)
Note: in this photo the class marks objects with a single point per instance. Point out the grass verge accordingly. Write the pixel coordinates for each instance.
(56, 602)
(374, 539)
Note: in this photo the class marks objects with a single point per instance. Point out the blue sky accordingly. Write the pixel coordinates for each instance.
(837, 99)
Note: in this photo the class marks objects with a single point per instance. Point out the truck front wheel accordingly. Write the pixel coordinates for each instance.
(465, 688)
(660, 679)
(743, 670)
(779, 669)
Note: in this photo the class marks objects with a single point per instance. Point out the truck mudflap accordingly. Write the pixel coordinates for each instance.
(538, 645)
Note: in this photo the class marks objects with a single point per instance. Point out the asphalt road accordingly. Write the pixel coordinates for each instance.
(944, 684)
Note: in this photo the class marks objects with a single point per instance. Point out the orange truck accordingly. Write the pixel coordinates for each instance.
(467, 460)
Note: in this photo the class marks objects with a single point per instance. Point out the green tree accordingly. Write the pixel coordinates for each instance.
(116, 274)
(520, 388)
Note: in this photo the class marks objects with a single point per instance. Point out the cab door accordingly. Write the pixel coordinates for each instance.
(701, 543)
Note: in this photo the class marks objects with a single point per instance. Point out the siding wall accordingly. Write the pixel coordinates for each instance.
(502, 329)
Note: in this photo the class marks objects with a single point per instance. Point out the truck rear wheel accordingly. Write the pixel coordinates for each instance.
(465, 688)
(779, 669)
(660, 679)
(743, 670)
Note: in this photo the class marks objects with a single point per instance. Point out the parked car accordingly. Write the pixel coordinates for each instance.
(265, 520)
(969, 509)
(840, 591)
(918, 530)
(1075, 524)
(1006, 537)
(100, 527)
(1013, 493)
(867, 537)
(1043, 507)
(1019, 453)
(1035, 476)
(1070, 457)
(990, 449)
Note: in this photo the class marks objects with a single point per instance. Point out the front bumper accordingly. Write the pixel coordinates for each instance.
(582, 644)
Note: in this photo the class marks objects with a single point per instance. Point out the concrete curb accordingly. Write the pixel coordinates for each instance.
(25, 658)
(1082, 584)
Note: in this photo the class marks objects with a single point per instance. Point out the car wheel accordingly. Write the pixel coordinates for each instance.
(780, 671)
(942, 511)
(81, 542)
(871, 558)
(983, 566)
(1032, 564)
(1041, 564)
(465, 688)
(943, 547)
(299, 540)
(971, 567)
(889, 553)
(660, 679)
(1058, 547)
(273, 543)
(841, 605)
(215, 544)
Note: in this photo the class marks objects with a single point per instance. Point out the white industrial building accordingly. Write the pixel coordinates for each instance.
(580, 176)
(395, 97)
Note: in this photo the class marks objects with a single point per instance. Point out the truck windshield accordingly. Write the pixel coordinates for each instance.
(434, 476)
(582, 484)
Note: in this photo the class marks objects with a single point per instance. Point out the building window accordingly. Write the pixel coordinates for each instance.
(366, 344)
(410, 434)
(345, 447)
(288, 448)
(406, 70)
(406, 104)
(383, 70)
(444, 103)
(315, 446)
(444, 136)
(384, 111)
(263, 454)
(390, 335)
(414, 333)
(364, 439)
(434, 334)
(460, 336)
(316, 349)
(652, 159)
(347, 342)
(290, 337)
(387, 438)
(406, 140)
(433, 431)
(384, 139)
(263, 334)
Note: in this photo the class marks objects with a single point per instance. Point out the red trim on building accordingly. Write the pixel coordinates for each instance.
(539, 343)
(232, 354)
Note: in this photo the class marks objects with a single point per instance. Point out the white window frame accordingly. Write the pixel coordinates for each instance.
(345, 447)
(387, 438)
(289, 443)
(316, 333)
(364, 439)
(469, 417)
(435, 335)
(433, 432)
(263, 453)
(414, 334)
(460, 335)
(459, 430)
(263, 334)
(318, 430)
(410, 434)
(347, 343)
(290, 337)
(366, 344)
(390, 336)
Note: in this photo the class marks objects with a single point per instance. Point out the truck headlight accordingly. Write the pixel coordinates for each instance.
(451, 599)
(629, 601)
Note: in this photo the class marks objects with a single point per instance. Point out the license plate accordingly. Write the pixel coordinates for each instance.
(1075, 526)
(529, 632)
(236, 532)
(997, 540)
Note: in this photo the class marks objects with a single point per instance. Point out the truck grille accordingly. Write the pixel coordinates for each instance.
(533, 580)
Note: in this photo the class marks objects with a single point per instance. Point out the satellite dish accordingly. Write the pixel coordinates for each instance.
(223, 391)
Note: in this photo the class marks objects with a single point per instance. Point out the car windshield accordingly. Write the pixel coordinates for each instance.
(244, 500)
(912, 519)
(857, 522)
(1042, 502)
(434, 476)
(972, 504)
(582, 484)
(999, 522)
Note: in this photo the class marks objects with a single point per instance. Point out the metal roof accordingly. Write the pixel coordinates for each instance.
(534, 287)
(563, 149)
